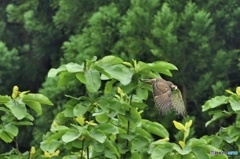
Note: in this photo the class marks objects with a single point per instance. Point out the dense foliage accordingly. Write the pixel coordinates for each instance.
(107, 121)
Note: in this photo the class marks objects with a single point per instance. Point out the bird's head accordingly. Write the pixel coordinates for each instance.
(173, 87)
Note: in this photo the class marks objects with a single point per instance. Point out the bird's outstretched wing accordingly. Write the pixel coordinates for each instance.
(163, 103)
(177, 102)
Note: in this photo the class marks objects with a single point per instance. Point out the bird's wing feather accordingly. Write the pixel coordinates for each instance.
(163, 103)
(177, 102)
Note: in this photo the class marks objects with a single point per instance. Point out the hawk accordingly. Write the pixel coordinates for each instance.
(166, 96)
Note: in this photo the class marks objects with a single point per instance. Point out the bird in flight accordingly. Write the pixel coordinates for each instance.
(166, 96)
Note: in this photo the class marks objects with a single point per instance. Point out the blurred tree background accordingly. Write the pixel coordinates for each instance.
(202, 38)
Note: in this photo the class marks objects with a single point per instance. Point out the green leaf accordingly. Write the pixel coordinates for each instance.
(161, 150)
(11, 128)
(108, 86)
(108, 128)
(235, 103)
(159, 66)
(65, 77)
(68, 112)
(217, 114)
(209, 148)
(80, 76)
(233, 131)
(162, 65)
(111, 60)
(215, 102)
(57, 135)
(53, 72)
(5, 109)
(60, 128)
(98, 135)
(79, 110)
(196, 142)
(135, 114)
(200, 153)
(6, 137)
(119, 72)
(139, 143)
(36, 98)
(98, 147)
(136, 155)
(73, 67)
(50, 146)
(165, 72)
(36, 106)
(109, 154)
(187, 149)
(23, 123)
(104, 105)
(141, 131)
(70, 135)
(155, 128)
(4, 99)
(29, 117)
(102, 118)
(112, 146)
(142, 94)
(93, 81)
(18, 108)
(238, 121)
(104, 74)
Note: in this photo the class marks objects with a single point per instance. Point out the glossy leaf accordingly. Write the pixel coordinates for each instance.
(215, 102)
(70, 135)
(65, 77)
(108, 128)
(119, 72)
(53, 72)
(111, 60)
(36, 106)
(36, 98)
(93, 81)
(18, 109)
(217, 114)
(155, 128)
(4, 99)
(200, 153)
(6, 137)
(235, 103)
(23, 123)
(104, 105)
(136, 155)
(102, 118)
(186, 150)
(108, 86)
(68, 112)
(139, 143)
(161, 150)
(142, 132)
(98, 135)
(79, 110)
(74, 67)
(80, 76)
(10, 128)
(112, 146)
(50, 146)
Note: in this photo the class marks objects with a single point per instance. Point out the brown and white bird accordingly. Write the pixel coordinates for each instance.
(166, 96)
